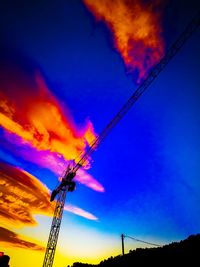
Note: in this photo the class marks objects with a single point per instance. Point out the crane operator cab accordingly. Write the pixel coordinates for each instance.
(66, 181)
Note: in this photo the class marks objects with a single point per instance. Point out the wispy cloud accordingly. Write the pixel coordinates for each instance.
(137, 31)
(37, 127)
(11, 239)
(23, 195)
(49, 160)
(80, 212)
(85, 178)
(37, 117)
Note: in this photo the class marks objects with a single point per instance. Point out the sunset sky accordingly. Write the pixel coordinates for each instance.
(66, 69)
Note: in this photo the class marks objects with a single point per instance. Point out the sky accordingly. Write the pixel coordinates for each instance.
(66, 69)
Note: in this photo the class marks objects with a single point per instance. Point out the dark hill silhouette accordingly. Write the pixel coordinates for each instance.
(183, 253)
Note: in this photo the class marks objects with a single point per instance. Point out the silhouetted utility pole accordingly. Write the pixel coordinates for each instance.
(135, 239)
(122, 244)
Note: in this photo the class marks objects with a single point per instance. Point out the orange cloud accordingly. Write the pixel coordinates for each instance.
(37, 128)
(37, 117)
(11, 239)
(22, 195)
(136, 29)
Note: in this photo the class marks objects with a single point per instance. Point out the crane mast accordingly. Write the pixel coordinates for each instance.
(67, 184)
(55, 228)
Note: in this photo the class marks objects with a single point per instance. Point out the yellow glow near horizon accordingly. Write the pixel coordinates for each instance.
(20, 257)
(86, 244)
(86, 252)
(76, 243)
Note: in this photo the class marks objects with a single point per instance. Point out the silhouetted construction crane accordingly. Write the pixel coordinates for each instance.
(67, 184)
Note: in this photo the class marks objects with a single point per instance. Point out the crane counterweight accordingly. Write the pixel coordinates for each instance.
(65, 183)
